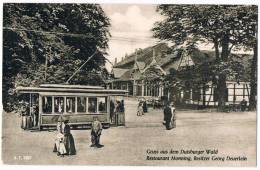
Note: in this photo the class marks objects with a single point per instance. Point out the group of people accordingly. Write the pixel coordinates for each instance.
(142, 108)
(169, 116)
(115, 108)
(30, 118)
(64, 141)
(169, 119)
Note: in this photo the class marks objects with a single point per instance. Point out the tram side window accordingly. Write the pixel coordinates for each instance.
(92, 105)
(59, 104)
(102, 104)
(47, 104)
(81, 104)
(70, 104)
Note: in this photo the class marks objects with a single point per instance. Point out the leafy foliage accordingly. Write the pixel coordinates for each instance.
(225, 26)
(46, 43)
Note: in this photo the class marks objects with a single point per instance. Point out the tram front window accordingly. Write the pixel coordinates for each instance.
(81, 104)
(59, 104)
(47, 104)
(92, 105)
(70, 104)
(102, 103)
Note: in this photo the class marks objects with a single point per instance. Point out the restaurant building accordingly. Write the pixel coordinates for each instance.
(133, 71)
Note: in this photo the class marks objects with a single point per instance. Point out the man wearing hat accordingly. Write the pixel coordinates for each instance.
(96, 130)
(167, 116)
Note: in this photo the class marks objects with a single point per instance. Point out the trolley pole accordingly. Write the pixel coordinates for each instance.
(81, 67)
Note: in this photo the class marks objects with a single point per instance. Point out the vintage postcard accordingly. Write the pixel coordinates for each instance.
(129, 84)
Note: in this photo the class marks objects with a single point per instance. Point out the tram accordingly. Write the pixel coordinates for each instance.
(77, 103)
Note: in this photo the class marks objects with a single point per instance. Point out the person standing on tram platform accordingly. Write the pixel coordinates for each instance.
(112, 111)
(118, 105)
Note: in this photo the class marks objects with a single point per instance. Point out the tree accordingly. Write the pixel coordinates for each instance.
(220, 25)
(248, 40)
(46, 43)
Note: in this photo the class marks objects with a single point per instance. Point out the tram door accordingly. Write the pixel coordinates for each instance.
(30, 116)
(34, 109)
(117, 111)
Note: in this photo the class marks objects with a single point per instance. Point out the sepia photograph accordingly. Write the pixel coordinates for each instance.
(153, 84)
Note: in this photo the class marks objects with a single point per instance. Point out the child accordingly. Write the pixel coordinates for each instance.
(59, 145)
(140, 109)
(59, 141)
(96, 129)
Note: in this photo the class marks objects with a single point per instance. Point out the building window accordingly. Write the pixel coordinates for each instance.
(186, 95)
(102, 104)
(58, 104)
(70, 104)
(195, 95)
(92, 105)
(81, 104)
(47, 104)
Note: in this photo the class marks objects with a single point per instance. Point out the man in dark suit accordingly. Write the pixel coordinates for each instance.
(243, 105)
(167, 116)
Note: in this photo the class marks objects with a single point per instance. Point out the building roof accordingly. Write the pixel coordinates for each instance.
(167, 61)
(140, 64)
(144, 56)
(118, 72)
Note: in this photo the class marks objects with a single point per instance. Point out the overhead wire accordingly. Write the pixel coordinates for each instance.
(46, 32)
(112, 38)
(87, 35)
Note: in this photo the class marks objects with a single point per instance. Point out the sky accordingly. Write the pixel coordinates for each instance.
(130, 28)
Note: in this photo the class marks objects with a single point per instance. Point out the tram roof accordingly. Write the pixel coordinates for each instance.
(70, 86)
(69, 89)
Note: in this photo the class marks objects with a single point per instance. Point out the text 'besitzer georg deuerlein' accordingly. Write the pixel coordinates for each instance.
(191, 155)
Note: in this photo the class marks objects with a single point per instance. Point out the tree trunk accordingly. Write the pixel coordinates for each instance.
(253, 81)
(216, 50)
(45, 68)
(222, 78)
(222, 92)
(225, 48)
(204, 95)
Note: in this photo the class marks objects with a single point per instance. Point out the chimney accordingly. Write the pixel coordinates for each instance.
(115, 60)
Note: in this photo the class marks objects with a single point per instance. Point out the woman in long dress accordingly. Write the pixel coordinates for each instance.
(173, 119)
(69, 140)
(145, 109)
